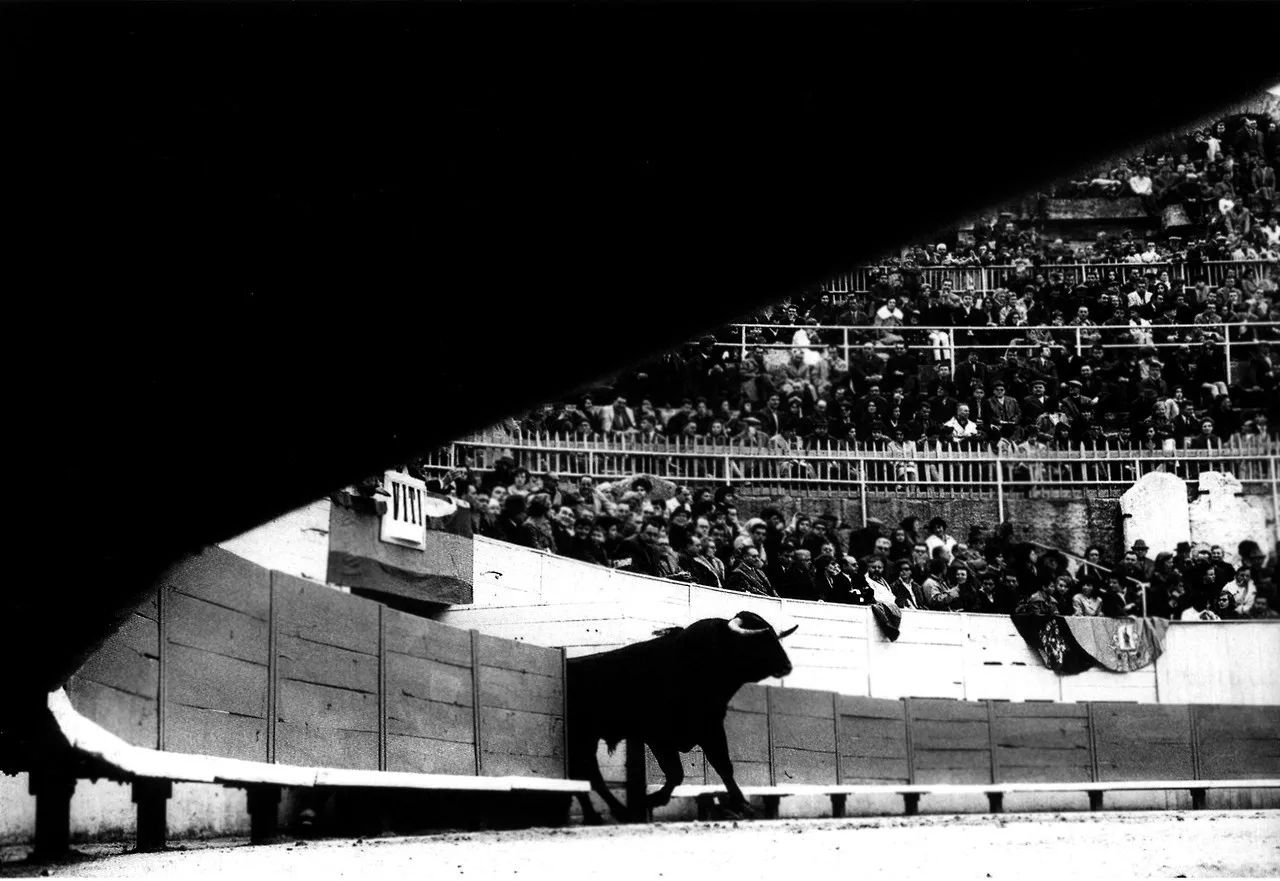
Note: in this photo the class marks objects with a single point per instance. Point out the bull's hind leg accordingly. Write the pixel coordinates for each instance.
(672, 768)
(583, 764)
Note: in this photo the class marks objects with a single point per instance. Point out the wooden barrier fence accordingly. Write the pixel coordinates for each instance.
(791, 736)
(232, 660)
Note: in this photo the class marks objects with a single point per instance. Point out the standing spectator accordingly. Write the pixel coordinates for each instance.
(938, 538)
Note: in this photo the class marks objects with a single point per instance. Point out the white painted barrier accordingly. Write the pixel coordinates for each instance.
(554, 601)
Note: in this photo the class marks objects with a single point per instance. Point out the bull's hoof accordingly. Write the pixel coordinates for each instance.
(737, 811)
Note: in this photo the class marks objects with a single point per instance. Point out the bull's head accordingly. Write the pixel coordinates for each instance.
(767, 657)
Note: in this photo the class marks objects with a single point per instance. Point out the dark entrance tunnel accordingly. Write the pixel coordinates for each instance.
(276, 248)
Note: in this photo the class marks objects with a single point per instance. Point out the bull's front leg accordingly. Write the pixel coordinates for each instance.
(716, 748)
(673, 770)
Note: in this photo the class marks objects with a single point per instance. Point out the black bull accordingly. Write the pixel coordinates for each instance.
(672, 693)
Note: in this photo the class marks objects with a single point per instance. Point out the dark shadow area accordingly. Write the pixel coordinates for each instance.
(269, 249)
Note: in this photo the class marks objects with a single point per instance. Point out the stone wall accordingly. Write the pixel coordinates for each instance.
(1068, 523)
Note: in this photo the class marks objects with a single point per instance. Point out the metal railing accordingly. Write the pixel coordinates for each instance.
(989, 278)
(950, 342)
(934, 470)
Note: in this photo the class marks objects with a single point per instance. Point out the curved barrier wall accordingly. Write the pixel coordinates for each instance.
(232, 660)
(804, 736)
(553, 601)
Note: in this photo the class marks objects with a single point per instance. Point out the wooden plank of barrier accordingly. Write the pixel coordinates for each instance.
(431, 719)
(746, 728)
(802, 736)
(217, 704)
(327, 688)
(873, 740)
(119, 685)
(520, 707)
(162, 693)
(478, 731)
(951, 741)
(1143, 741)
(1236, 741)
(1041, 742)
(382, 688)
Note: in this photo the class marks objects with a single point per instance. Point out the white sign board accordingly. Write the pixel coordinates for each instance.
(405, 522)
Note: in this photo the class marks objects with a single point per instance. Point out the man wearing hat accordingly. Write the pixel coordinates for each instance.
(751, 435)
(1077, 408)
(1147, 565)
(1035, 404)
(1003, 413)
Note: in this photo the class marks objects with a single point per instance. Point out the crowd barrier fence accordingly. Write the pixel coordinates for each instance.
(935, 471)
(989, 278)
(951, 343)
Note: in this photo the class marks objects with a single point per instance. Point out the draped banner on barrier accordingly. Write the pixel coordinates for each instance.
(1073, 644)
(1120, 644)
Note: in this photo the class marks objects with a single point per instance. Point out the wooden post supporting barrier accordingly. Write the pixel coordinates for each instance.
(53, 793)
(152, 799)
(264, 810)
(771, 804)
(705, 803)
(637, 781)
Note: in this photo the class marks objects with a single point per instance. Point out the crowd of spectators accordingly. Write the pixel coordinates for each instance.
(697, 535)
(1039, 393)
(1153, 370)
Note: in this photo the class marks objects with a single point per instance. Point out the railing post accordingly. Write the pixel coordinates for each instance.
(999, 489)
(1079, 347)
(1226, 341)
(1275, 494)
(743, 329)
(726, 470)
(845, 331)
(862, 489)
(951, 349)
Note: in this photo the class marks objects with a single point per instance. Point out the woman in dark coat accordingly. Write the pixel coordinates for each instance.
(830, 583)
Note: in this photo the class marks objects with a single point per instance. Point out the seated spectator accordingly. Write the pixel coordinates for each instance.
(747, 574)
(942, 586)
(1262, 610)
(829, 582)
(641, 553)
(705, 567)
(907, 592)
(1087, 601)
(509, 524)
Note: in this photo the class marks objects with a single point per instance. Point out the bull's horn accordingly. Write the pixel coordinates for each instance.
(735, 624)
(790, 630)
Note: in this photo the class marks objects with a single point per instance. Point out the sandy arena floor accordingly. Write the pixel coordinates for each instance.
(1016, 846)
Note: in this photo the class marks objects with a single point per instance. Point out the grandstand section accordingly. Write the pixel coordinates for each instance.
(1019, 490)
